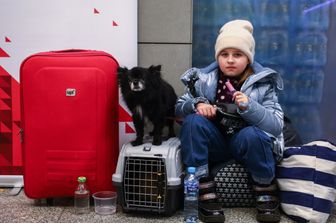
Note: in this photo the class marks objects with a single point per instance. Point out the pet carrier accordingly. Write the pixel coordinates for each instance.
(149, 178)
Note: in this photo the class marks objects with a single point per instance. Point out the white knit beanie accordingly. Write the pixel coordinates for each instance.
(236, 34)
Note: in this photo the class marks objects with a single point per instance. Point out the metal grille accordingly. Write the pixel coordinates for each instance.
(145, 182)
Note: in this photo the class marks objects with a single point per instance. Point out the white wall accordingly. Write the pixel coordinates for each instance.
(44, 25)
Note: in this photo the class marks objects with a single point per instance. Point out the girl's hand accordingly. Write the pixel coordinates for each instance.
(241, 100)
(206, 110)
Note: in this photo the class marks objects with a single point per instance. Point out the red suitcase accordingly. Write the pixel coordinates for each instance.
(69, 121)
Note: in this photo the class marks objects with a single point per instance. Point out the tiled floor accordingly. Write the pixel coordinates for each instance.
(19, 208)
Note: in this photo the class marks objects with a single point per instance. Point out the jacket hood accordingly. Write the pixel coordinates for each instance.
(266, 74)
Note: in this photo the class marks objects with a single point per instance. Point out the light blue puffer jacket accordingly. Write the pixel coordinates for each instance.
(262, 88)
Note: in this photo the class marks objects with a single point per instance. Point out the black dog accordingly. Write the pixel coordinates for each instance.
(146, 94)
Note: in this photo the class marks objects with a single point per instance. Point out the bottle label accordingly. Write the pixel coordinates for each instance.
(191, 188)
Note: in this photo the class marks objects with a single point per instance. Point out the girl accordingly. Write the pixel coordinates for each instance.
(258, 145)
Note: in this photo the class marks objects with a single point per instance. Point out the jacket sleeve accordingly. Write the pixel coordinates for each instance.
(268, 115)
(186, 103)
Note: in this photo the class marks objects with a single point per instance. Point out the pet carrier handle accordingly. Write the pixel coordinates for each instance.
(147, 148)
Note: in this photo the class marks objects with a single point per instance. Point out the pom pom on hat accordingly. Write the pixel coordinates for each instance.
(236, 34)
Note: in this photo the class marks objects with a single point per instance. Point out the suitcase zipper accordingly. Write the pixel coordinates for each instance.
(21, 135)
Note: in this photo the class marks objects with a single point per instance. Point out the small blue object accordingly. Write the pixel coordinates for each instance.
(191, 169)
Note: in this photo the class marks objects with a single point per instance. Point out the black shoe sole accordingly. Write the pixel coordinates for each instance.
(211, 213)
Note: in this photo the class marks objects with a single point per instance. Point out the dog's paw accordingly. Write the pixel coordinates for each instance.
(157, 142)
(136, 142)
(171, 135)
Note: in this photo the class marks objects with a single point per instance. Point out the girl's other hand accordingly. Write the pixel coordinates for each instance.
(241, 100)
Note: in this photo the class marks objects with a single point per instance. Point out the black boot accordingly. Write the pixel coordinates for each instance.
(209, 210)
(267, 203)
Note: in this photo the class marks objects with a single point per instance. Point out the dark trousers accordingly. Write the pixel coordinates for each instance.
(202, 142)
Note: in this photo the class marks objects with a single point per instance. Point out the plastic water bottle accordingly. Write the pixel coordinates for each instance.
(191, 196)
(82, 197)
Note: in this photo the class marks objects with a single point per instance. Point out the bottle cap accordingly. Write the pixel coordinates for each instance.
(191, 169)
(81, 179)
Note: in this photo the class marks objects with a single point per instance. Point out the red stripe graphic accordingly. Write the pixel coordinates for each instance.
(3, 72)
(129, 129)
(124, 116)
(11, 154)
(95, 11)
(3, 53)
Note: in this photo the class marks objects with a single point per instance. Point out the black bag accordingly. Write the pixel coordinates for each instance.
(230, 121)
(291, 136)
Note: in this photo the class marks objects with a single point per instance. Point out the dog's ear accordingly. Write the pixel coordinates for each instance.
(153, 68)
(154, 76)
(122, 70)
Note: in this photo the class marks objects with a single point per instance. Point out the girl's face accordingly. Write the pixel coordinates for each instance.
(232, 62)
